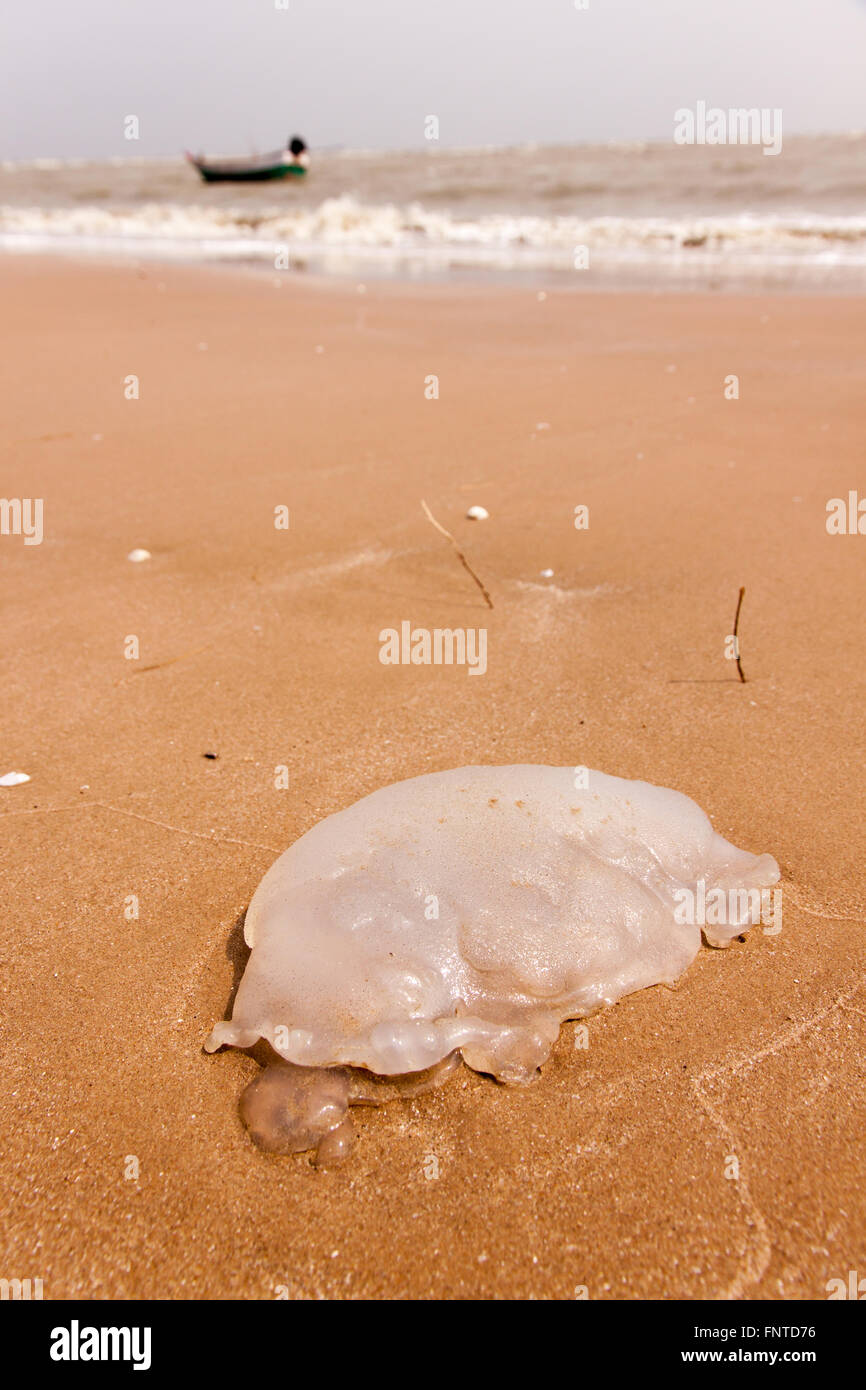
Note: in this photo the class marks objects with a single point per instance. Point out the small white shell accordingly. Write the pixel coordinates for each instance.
(477, 514)
(138, 555)
(13, 779)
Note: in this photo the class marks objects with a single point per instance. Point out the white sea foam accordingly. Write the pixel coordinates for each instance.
(416, 232)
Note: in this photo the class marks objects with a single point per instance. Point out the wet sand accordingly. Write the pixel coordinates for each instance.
(262, 646)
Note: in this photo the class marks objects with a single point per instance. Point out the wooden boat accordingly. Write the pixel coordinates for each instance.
(254, 170)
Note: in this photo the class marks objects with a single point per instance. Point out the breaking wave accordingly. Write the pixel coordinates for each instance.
(415, 232)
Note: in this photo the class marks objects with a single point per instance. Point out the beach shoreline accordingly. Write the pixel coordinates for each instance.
(642, 214)
(677, 272)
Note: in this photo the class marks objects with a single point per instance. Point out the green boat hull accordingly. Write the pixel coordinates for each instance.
(246, 172)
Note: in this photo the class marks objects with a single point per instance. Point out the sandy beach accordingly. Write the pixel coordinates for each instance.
(125, 1169)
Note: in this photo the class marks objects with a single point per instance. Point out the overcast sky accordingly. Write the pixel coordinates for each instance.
(241, 74)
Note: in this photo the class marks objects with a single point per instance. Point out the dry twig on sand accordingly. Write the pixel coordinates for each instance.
(460, 556)
(736, 639)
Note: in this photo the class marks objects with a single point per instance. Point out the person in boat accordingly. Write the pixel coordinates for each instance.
(297, 153)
